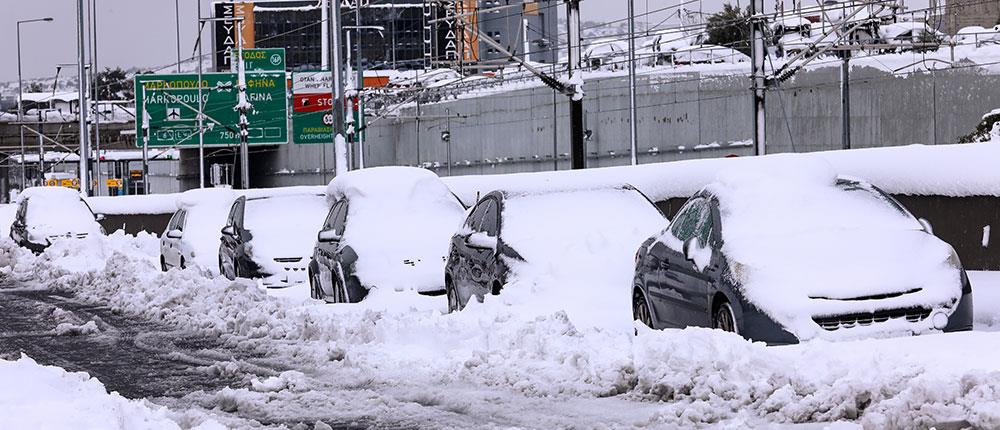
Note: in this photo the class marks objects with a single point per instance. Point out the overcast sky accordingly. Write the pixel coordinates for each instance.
(142, 32)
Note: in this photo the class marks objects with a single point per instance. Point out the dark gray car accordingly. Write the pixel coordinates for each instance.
(671, 290)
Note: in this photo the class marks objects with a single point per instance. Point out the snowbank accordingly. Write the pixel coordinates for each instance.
(134, 205)
(394, 340)
(46, 397)
(914, 170)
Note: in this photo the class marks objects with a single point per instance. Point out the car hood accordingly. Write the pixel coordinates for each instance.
(796, 278)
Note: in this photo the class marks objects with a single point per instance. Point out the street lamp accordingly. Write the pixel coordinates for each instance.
(20, 90)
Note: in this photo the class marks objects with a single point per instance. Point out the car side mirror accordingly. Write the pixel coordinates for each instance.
(99, 217)
(229, 230)
(174, 234)
(481, 240)
(926, 225)
(689, 248)
(327, 236)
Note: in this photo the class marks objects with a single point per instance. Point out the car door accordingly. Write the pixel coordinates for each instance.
(678, 287)
(326, 250)
(482, 259)
(462, 253)
(230, 243)
(168, 244)
(180, 247)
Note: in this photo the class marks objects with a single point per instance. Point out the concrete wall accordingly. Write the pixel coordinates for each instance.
(680, 116)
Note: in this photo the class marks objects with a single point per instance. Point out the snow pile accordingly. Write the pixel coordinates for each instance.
(7, 214)
(134, 205)
(283, 226)
(207, 210)
(35, 396)
(794, 237)
(400, 341)
(57, 211)
(398, 214)
(579, 252)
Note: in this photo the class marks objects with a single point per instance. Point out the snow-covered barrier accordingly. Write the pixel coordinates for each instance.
(955, 187)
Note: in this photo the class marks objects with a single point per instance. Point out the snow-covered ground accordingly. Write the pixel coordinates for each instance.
(33, 396)
(398, 357)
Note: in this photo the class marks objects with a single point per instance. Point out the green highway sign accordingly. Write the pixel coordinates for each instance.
(170, 105)
(263, 59)
(312, 109)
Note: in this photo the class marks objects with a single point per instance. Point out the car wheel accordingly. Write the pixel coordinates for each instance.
(640, 309)
(452, 298)
(724, 318)
(163, 263)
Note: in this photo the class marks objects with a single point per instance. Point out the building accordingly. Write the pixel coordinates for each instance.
(954, 15)
(397, 34)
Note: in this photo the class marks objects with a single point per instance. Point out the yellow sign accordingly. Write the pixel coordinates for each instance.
(114, 183)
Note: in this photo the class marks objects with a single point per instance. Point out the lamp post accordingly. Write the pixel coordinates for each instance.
(20, 90)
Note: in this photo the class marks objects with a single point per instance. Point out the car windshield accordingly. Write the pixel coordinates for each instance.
(285, 226)
(59, 214)
(797, 209)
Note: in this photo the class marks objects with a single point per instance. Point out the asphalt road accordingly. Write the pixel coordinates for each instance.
(135, 357)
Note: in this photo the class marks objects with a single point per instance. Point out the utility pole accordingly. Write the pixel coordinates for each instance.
(845, 100)
(84, 177)
(337, 93)
(578, 150)
(241, 106)
(97, 97)
(20, 102)
(201, 106)
(360, 85)
(633, 129)
(758, 54)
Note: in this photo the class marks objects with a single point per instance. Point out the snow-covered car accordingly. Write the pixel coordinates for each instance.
(270, 238)
(49, 214)
(388, 228)
(572, 237)
(783, 262)
(192, 235)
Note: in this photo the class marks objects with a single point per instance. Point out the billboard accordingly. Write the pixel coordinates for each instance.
(227, 31)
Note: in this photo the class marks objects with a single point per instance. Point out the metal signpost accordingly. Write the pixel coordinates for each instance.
(172, 105)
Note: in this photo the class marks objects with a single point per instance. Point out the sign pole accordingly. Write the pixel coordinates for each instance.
(145, 143)
(201, 107)
(337, 95)
(83, 103)
(241, 106)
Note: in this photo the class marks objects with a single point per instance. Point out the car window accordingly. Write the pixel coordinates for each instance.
(475, 218)
(340, 222)
(181, 220)
(22, 210)
(330, 216)
(691, 219)
(236, 214)
(491, 219)
(173, 221)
